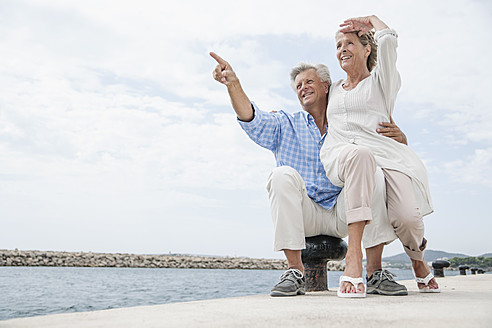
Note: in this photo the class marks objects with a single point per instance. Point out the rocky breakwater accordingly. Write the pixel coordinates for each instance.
(119, 260)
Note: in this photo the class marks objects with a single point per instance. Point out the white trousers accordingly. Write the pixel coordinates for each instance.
(356, 167)
(296, 216)
(404, 214)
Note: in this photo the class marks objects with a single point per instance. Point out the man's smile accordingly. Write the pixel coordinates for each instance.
(306, 94)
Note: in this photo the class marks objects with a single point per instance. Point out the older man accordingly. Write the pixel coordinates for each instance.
(303, 201)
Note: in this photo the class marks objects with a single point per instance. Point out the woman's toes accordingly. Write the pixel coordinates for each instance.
(347, 288)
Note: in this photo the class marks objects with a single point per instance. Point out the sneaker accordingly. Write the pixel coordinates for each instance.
(382, 282)
(292, 283)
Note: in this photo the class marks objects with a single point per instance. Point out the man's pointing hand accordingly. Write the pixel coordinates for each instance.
(223, 72)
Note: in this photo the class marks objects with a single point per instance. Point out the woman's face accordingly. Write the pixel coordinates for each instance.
(351, 54)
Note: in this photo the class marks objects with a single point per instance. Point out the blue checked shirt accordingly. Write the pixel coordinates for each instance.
(295, 140)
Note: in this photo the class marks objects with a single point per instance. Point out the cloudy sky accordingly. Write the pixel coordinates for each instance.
(115, 138)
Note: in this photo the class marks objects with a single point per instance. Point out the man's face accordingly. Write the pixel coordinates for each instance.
(310, 90)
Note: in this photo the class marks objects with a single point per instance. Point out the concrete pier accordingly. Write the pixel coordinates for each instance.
(465, 301)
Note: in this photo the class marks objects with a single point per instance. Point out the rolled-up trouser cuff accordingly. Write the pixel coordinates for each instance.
(385, 239)
(417, 255)
(280, 246)
(359, 214)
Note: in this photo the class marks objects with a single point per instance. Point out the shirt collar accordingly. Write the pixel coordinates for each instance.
(310, 119)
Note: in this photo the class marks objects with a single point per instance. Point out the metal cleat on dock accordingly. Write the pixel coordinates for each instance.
(463, 269)
(319, 250)
(439, 266)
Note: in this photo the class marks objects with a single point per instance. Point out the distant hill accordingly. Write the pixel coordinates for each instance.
(430, 255)
(487, 255)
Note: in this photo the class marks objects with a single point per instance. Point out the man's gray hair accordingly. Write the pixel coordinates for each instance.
(322, 71)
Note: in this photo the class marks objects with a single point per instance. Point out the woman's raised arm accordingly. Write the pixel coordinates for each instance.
(362, 24)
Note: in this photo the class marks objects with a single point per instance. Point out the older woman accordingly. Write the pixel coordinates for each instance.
(356, 105)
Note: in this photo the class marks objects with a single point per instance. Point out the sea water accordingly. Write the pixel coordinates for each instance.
(33, 291)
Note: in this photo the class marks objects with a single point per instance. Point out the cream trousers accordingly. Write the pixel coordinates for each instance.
(296, 216)
(404, 214)
(356, 167)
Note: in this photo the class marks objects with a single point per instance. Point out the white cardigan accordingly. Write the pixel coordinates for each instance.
(354, 116)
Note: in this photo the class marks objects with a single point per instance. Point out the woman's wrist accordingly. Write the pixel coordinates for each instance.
(377, 23)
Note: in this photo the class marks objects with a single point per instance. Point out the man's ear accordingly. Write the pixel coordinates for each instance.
(327, 87)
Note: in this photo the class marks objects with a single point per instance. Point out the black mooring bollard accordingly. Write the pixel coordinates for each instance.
(319, 250)
(463, 269)
(439, 266)
(481, 271)
(473, 270)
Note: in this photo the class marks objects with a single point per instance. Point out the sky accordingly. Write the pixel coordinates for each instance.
(114, 137)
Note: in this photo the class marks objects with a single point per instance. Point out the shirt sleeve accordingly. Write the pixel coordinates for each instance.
(264, 129)
(385, 70)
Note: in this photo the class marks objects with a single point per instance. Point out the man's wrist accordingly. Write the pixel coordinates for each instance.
(234, 85)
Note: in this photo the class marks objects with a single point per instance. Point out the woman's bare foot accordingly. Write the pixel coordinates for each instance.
(421, 270)
(353, 269)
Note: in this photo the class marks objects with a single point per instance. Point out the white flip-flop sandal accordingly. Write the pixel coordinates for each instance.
(355, 282)
(425, 281)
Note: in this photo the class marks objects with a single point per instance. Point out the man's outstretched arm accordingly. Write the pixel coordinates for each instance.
(224, 74)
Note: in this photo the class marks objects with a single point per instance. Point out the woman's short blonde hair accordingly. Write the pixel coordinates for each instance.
(368, 39)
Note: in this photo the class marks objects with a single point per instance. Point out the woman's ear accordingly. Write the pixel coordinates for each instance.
(368, 50)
